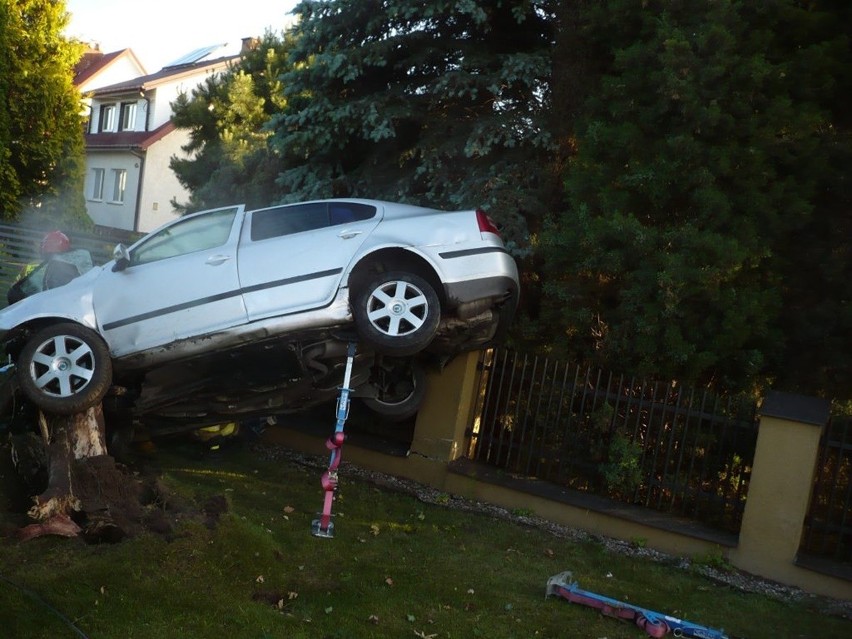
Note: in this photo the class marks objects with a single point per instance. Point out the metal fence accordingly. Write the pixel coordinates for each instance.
(668, 447)
(828, 526)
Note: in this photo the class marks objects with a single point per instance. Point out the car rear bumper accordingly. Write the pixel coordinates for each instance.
(494, 288)
(482, 273)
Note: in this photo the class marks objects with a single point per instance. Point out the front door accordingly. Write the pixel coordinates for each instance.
(181, 282)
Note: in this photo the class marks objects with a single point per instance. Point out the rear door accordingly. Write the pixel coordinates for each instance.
(181, 282)
(292, 258)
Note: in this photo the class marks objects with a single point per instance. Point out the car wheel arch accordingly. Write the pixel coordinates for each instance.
(395, 259)
(21, 333)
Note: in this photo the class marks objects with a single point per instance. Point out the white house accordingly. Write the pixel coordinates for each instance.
(130, 140)
(98, 69)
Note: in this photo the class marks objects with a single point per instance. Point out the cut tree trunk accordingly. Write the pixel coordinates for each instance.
(86, 492)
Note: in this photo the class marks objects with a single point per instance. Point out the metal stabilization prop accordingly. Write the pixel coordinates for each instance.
(324, 526)
(655, 624)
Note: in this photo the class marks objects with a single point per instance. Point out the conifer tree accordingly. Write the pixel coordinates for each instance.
(700, 157)
(226, 118)
(440, 103)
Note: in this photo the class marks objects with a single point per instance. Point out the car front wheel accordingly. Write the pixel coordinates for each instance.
(397, 313)
(65, 368)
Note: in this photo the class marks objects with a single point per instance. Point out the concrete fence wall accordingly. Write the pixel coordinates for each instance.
(778, 498)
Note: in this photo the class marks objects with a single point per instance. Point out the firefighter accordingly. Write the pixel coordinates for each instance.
(58, 271)
(59, 265)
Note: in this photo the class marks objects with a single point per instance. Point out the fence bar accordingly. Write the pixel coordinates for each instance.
(496, 420)
(567, 432)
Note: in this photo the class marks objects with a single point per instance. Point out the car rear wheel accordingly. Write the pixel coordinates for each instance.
(65, 368)
(397, 313)
(400, 390)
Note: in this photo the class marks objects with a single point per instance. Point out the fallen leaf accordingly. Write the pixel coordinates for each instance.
(423, 635)
(292, 595)
(329, 610)
(548, 552)
(280, 604)
(389, 581)
(373, 619)
(411, 618)
(260, 579)
(374, 529)
(289, 509)
(470, 591)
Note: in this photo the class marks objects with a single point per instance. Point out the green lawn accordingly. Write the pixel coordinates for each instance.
(397, 567)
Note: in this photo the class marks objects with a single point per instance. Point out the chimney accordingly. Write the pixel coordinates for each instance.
(249, 44)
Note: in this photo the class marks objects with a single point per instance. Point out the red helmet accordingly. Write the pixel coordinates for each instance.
(55, 242)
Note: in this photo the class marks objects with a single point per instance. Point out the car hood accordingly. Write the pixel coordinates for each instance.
(73, 302)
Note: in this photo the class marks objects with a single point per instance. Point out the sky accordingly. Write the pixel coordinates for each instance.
(161, 31)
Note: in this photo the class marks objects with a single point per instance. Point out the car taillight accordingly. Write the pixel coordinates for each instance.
(486, 224)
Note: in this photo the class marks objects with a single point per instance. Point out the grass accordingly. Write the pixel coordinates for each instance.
(397, 567)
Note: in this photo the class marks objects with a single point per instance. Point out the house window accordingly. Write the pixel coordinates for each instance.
(107, 118)
(97, 184)
(128, 116)
(119, 184)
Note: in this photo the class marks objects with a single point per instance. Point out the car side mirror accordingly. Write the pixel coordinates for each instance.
(121, 256)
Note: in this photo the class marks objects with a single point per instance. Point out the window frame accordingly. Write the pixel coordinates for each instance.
(269, 223)
(119, 185)
(182, 230)
(107, 118)
(127, 116)
(98, 182)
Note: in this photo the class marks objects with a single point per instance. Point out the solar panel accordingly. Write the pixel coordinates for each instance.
(195, 56)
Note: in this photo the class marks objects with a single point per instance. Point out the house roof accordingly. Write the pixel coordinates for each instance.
(153, 80)
(95, 60)
(137, 140)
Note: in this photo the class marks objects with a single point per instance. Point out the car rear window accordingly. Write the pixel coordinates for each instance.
(296, 218)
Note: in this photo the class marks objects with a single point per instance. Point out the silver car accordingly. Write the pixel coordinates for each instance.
(294, 282)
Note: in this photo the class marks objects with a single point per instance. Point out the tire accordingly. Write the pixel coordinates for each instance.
(65, 368)
(397, 314)
(401, 390)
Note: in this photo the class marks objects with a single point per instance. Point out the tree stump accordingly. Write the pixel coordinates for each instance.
(86, 492)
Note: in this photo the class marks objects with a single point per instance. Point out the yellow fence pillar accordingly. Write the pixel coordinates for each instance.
(780, 486)
(439, 432)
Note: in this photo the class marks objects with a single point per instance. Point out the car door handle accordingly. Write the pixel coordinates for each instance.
(216, 260)
(348, 234)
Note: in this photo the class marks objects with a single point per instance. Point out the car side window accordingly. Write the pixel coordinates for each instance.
(286, 220)
(346, 212)
(197, 233)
